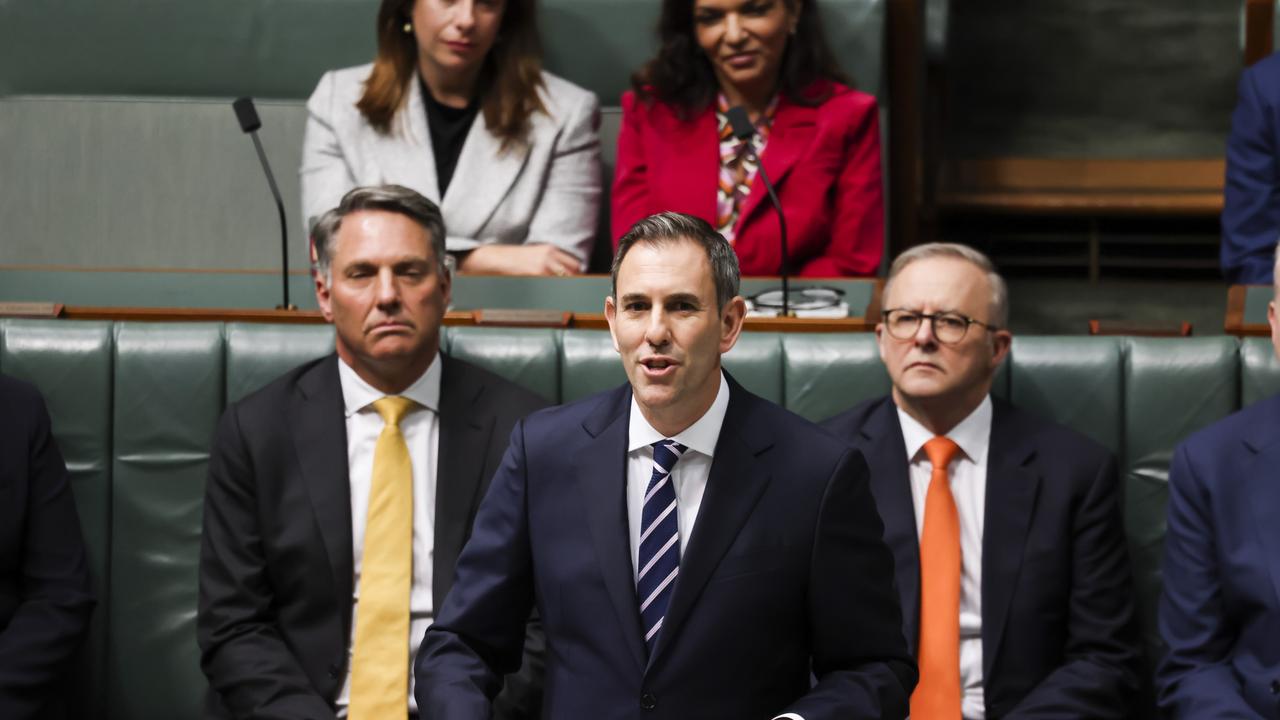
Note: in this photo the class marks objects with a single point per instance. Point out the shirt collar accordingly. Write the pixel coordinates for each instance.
(700, 436)
(973, 434)
(358, 394)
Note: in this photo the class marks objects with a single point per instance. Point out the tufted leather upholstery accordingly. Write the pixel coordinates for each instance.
(134, 405)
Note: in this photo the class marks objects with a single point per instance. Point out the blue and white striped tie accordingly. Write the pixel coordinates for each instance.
(659, 556)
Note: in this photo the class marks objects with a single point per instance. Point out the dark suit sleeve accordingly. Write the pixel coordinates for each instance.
(1251, 213)
(1099, 676)
(859, 653)
(479, 633)
(1195, 678)
(55, 603)
(242, 653)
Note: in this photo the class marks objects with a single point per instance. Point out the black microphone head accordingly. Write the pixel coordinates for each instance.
(245, 113)
(740, 122)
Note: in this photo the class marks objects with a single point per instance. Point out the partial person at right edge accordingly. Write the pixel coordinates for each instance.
(1007, 529)
(456, 106)
(1219, 609)
(1251, 199)
(818, 138)
(45, 600)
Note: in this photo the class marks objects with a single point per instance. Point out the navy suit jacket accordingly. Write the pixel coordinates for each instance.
(784, 572)
(45, 601)
(1251, 199)
(1058, 632)
(1220, 610)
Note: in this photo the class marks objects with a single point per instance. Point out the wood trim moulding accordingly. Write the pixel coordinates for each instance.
(1088, 186)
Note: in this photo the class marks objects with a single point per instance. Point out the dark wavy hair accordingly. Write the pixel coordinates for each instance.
(511, 76)
(681, 74)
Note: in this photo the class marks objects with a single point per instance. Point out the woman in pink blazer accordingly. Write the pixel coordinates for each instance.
(819, 139)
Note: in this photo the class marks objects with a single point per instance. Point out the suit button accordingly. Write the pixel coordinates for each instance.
(648, 701)
(335, 671)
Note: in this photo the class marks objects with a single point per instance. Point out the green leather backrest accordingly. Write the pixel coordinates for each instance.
(1259, 370)
(1076, 381)
(71, 364)
(1172, 387)
(530, 357)
(826, 374)
(257, 353)
(169, 390)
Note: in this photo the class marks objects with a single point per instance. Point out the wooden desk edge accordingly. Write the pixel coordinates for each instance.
(1234, 323)
(453, 318)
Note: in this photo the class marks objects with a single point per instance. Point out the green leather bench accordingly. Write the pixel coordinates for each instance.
(118, 147)
(134, 406)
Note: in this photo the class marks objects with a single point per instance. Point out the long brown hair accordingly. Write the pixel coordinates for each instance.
(510, 78)
(681, 75)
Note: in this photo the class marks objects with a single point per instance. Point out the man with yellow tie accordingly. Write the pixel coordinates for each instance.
(1006, 529)
(340, 495)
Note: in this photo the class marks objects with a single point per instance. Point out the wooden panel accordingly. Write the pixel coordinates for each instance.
(1084, 186)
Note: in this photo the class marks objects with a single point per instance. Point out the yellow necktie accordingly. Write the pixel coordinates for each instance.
(938, 695)
(380, 660)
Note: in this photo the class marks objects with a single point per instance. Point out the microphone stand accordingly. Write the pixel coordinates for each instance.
(744, 130)
(249, 123)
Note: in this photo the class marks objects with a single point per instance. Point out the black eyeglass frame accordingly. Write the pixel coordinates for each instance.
(933, 324)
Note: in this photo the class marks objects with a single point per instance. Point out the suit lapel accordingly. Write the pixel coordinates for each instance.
(601, 470)
(484, 174)
(317, 417)
(1012, 487)
(1264, 491)
(734, 486)
(404, 155)
(464, 436)
(793, 129)
(886, 453)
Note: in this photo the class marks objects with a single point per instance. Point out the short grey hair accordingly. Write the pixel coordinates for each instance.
(670, 227)
(999, 289)
(387, 198)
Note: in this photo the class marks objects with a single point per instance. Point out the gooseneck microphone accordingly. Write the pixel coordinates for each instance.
(250, 124)
(744, 130)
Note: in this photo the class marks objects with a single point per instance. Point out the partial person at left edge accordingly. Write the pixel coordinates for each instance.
(45, 599)
(456, 106)
(340, 495)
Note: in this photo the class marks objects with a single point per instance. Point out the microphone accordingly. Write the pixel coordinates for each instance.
(743, 129)
(250, 123)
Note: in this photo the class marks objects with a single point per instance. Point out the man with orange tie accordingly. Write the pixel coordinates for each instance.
(340, 495)
(1006, 529)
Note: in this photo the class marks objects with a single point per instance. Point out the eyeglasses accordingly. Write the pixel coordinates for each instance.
(949, 327)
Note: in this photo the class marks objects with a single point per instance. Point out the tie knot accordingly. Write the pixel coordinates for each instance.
(941, 450)
(393, 408)
(666, 452)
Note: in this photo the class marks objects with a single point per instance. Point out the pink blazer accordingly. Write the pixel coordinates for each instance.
(824, 162)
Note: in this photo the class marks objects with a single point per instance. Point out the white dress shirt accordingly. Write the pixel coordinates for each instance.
(421, 430)
(689, 477)
(968, 475)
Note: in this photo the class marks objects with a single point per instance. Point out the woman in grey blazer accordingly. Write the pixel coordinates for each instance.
(457, 107)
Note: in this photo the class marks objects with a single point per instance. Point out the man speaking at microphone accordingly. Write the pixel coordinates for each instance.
(694, 551)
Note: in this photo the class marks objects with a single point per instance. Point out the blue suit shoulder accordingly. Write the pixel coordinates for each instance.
(1262, 417)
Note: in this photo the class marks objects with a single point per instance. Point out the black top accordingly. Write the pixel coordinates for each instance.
(448, 127)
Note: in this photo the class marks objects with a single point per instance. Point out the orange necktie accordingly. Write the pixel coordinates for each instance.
(937, 696)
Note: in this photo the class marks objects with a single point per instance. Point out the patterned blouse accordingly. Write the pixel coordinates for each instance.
(737, 165)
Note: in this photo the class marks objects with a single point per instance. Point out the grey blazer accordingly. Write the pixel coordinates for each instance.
(544, 191)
